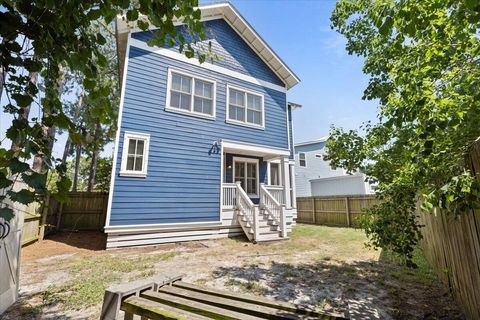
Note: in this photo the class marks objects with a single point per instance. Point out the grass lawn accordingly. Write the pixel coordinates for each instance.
(319, 267)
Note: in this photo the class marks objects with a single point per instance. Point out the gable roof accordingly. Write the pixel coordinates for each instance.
(230, 14)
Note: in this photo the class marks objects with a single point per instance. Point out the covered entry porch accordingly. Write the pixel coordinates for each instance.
(258, 184)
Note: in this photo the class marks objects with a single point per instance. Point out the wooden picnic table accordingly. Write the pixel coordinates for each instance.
(169, 297)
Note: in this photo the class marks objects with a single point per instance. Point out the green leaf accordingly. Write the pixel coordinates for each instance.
(6, 213)
(132, 15)
(386, 27)
(17, 166)
(143, 25)
(23, 196)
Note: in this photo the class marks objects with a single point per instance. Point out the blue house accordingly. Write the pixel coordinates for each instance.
(202, 151)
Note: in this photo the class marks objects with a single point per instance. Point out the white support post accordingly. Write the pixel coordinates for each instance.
(286, 182)
(283, 221)
(237, 194)
(256, 229)
(260, 192)
(293, 186)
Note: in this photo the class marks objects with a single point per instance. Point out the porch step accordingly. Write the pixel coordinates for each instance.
(270, 237)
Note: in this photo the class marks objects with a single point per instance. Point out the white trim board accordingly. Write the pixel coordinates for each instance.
(206, 65)
(117, 135)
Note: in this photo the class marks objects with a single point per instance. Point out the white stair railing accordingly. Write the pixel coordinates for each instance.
(248, 211)
(277, 192)
(273, 208)
(229, 197)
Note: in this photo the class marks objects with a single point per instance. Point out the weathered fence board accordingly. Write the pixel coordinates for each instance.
(453, 247)
(83, 211)
(333, 211)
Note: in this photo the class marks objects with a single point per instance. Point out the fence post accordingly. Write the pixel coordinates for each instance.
(313, 211)
(347, 211)
(45, 208)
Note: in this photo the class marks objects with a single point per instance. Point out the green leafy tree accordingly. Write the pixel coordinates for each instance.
(423, 60)
(42, 38)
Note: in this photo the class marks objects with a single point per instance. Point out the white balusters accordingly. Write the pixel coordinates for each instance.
(273, 207)
(229, 195)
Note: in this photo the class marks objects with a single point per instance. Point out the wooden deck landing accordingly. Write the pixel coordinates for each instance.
(181, 300)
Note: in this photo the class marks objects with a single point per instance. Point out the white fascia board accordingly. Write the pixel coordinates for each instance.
(323, 139)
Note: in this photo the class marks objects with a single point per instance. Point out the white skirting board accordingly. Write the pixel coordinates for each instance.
(228, 227)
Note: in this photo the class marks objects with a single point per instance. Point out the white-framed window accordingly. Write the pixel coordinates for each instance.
(245, 107)
(190, 94)
(246, 171)
(274, 173)
(302, 159)
(135, 154)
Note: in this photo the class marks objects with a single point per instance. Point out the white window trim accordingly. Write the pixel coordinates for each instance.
(299, 163)
(123, 168)
(245, 123)
(279, 172)
(191, 112)
(257, 162)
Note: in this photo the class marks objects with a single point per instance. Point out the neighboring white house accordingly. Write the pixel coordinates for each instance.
(315, 177)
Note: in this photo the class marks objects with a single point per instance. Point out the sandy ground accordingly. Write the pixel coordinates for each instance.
(322, 268)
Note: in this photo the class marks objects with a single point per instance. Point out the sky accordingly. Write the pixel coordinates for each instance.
(332, 81)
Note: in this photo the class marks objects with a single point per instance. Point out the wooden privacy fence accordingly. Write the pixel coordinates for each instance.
(341, 211)
(453, 247)
(82, 211)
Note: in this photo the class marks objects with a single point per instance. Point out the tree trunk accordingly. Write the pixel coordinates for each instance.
(93, 165)
(48, 132)
(78, 149)
(76, 114)
(26, 111)
(93, 171)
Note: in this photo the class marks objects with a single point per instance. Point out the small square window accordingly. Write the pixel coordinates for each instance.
(135, 154)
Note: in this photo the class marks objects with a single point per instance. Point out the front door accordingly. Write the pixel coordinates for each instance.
(246, 171)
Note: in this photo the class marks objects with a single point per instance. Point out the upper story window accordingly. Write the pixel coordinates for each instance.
(302, 159)
(135, 154)
(190, 94)
(245, 107)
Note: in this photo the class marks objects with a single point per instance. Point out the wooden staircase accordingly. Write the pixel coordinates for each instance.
(263, 222)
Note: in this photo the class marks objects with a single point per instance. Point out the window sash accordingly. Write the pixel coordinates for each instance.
(275, 174)
(251, 111)
(302, 159)
(135, 154)
(247, 173)
(200, 99)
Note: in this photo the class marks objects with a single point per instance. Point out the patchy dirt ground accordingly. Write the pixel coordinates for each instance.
(319, 267)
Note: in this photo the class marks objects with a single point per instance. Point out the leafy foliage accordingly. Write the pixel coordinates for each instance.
(422, 58)
(45, 37)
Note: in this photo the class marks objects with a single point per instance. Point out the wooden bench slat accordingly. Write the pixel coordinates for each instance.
(254, 299)
(234, 305)
(156, 311)
(196, 307)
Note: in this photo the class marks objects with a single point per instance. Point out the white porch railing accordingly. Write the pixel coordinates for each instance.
(277, 192)
(274, 208)
(229, 195)
(248, 210)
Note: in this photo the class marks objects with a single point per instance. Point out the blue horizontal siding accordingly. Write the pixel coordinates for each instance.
(233, 52)
(183, 178)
